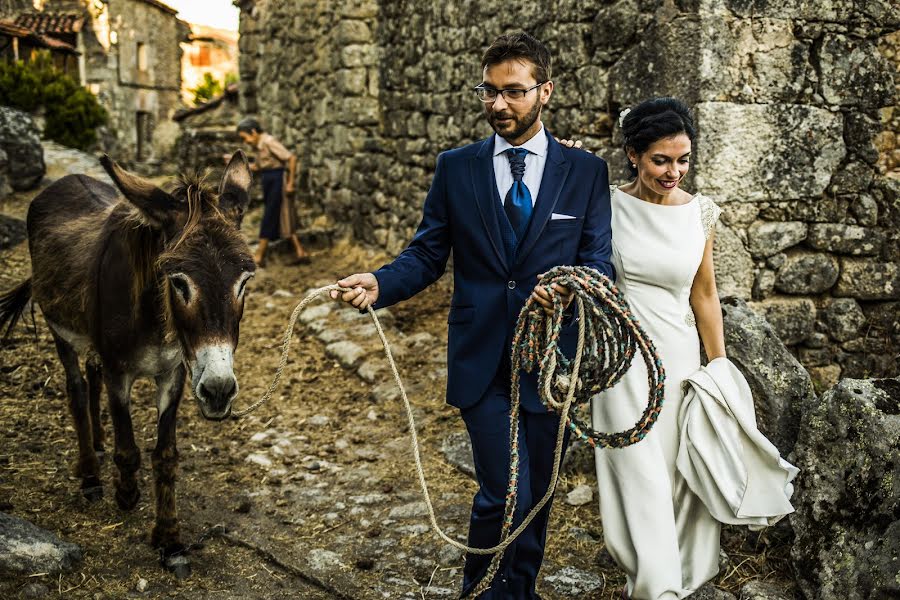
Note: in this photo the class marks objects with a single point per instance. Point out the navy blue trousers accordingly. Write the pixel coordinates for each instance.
(273, 194)
(488, 425)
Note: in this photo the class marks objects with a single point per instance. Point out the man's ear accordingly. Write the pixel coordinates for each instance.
(234, 191)
(159, 209)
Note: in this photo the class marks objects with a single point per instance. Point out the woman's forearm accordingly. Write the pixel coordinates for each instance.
(708, 313)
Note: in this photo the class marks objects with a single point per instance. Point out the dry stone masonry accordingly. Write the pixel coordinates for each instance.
(795, 101)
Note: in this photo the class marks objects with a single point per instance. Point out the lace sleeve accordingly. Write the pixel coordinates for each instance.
(709, 214)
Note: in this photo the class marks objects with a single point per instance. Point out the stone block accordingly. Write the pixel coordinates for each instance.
(854, 177)
(352, 31)
(792, 319)
(853, 73)
(351, 81)
(847, 534)
(756, 152)
(769, 238)
(733, 264)
(868, 280)
(813, 210)
(807, 273)
(359, 55)
(844, 319)
(845, 239)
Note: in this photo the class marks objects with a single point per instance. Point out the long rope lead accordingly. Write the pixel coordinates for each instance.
(609, 335)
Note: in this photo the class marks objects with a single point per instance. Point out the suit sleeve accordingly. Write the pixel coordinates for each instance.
(425, 259)
(595, 246)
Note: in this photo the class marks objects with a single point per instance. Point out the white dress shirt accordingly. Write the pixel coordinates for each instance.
(534, 164)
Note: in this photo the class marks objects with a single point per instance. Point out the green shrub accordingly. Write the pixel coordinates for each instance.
(72, 113)
(211, 87)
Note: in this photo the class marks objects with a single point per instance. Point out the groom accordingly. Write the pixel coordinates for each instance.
(509, 207)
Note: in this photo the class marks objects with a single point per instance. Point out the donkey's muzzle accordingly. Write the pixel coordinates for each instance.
(217, 386)
(216, 395)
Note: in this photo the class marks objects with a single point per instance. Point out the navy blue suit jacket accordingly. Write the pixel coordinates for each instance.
(488, 291)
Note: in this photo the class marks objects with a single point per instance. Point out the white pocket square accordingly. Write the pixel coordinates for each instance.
(558, 216)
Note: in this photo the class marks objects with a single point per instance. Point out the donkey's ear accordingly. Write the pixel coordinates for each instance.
(234, 191)
(158, 208)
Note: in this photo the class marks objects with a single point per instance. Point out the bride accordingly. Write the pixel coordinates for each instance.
(656, 527)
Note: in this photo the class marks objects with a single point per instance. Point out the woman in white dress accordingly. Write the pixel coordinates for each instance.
(657, 531)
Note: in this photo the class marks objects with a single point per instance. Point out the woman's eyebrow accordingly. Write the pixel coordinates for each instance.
(658, 155)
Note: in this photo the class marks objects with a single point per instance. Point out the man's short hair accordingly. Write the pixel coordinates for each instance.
(520, 45)
(249, 125)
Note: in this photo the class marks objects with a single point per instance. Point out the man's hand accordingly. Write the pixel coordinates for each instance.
(543, 298)
(570, 143)
(364, 290)
(289, 187)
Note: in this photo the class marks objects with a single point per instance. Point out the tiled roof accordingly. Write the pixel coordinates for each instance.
(45, 41)
(51, 22)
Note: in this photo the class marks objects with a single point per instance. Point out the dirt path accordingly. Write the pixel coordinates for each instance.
(312, 496)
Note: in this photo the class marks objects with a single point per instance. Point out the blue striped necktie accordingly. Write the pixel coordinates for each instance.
(518, 199)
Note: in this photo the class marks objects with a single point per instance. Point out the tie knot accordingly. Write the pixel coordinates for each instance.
(516, 158)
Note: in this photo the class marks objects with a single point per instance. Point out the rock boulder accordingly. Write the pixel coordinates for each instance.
(847, 523)
(26, 549)
(21, 143)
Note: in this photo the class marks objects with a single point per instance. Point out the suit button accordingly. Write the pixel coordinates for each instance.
(511, 285)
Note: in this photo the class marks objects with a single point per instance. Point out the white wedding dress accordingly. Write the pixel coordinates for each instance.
(656, 529)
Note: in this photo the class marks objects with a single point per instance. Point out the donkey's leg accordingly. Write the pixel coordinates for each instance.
(95, 385)
(127, 456)
(166, 534)
(88, 467)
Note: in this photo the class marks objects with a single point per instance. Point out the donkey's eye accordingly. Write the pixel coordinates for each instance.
(243, 284)
(181, 288)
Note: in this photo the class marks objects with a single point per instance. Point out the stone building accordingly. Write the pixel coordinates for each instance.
(130, 57)
(795, 102)
(209, 50)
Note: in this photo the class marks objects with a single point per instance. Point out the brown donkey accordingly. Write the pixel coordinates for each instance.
(149, 286)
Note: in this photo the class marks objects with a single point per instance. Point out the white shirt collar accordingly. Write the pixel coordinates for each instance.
(536, 145)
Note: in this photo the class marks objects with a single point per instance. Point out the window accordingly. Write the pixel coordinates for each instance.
(141, 56)
(144, 135)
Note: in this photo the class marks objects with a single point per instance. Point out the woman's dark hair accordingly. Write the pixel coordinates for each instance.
(653, 120)
(518, 46)
(249, 125)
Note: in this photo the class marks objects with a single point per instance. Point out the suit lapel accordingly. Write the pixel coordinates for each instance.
(556, 170)
(483, 181)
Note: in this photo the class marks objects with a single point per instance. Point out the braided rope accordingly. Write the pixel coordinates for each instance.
(608, 335)
(611, 334)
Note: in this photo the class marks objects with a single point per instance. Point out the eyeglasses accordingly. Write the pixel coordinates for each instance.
(488, 94)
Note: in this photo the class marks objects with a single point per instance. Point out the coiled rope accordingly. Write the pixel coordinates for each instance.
(608, 337)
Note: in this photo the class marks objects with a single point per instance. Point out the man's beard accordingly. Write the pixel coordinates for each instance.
(519, 125)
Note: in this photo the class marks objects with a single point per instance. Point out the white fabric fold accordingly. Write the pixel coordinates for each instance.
(725, 460)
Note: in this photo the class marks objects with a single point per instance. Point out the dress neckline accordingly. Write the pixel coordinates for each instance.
(688, 203)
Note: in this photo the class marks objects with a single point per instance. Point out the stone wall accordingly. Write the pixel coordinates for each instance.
(794, 102)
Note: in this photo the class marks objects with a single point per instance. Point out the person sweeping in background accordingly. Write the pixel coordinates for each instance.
(276, 166)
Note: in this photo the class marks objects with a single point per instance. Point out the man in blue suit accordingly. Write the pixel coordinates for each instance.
(509, 207)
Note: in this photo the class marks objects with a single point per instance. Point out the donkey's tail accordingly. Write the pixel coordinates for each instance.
(12, 305)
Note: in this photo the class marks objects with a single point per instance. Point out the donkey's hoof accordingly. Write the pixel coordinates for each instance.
(127, 499)
(92, 489)
(178, 564)
(93, 494)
